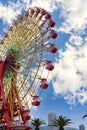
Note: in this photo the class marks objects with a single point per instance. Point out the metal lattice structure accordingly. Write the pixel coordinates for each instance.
(26, 54)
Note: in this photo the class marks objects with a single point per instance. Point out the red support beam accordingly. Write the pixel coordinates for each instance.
(2, 95)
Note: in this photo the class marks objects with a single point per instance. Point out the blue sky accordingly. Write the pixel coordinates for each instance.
(67, 92)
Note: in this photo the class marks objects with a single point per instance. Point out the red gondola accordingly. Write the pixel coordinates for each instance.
(43, 12)
(49, 66)
(1, 42)
(53, 34)
(52, 48)
(10, 29)
(6, 35)
(20, 18)
(48, 16)
(36, 101)
(37, 10)
(15, 23)
(25, 115)
(51, 23)
(31, 12)
(43, 84)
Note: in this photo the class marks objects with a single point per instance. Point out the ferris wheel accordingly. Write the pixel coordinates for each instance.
(26, 55)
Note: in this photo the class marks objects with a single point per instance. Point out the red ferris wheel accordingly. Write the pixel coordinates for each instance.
(26, 54)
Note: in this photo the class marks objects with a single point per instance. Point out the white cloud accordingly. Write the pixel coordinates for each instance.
(70, 73)
(25, 4)
(75, 40)
(75, 14)
(10, 12)
(49, 5)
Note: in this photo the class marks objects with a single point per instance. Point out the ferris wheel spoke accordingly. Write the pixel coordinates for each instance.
(27, 77)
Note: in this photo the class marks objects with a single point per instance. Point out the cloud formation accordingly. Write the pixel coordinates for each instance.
(70, 70)
(9, 12)
(75, 15)
(70, 74)
(49, 5)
